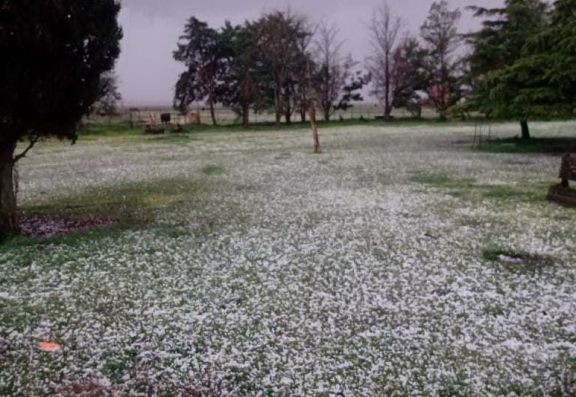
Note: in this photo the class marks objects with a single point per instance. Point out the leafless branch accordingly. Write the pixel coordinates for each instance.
(31, 144)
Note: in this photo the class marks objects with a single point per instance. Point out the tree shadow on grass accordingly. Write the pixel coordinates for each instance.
(535, 145)
(100, 211)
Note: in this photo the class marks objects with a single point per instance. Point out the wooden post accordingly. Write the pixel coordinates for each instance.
(312, 109)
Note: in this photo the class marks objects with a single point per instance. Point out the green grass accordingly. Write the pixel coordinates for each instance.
(131, 206)
(442, 180)
(124, 202)
(170, 138)
(127, 206)
(92, 131)
(210, 170)
(469, 189)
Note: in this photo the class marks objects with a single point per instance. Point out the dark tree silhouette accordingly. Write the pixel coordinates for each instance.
(205, 53)
(282, 39)
(53, 55)
(409, 75)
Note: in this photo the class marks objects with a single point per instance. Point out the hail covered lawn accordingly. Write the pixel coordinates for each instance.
(363, 271)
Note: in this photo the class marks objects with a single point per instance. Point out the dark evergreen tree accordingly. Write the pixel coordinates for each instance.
(542, 82)
(497, 46)
(410, 76)
(241, 85)
(557, 47)
(54, 53)
(204, 52)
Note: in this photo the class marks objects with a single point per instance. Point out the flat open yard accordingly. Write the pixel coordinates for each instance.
(400, 262)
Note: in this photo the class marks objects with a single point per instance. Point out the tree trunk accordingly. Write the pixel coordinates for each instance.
(387, 113)
(387, 88)
(303, 114)
(288, 116)
(8, 212)
(277, 104)
(245, 114)
(525, 129)
(212, 111)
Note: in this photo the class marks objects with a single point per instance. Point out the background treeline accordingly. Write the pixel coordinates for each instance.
(279, 62)
(520, 65)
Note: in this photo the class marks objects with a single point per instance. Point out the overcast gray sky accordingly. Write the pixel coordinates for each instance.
(147, 72)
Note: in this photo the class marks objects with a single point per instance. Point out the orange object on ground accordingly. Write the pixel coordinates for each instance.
(49, 346)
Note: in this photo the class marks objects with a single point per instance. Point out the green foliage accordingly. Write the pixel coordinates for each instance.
(538, 78)
(498, 90)
(552, 56)
(243, 79)
(504, 34)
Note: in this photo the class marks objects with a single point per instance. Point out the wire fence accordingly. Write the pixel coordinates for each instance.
(225, 116)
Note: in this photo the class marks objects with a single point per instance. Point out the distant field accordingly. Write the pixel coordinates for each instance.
(400, 262)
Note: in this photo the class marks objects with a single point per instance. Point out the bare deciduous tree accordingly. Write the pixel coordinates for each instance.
(107, 105)
(335, 82)
(332, 69)
(280, 38)
(441, 39)
(385, 32)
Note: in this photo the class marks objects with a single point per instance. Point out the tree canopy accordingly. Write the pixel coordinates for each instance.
(54, 54)
(500, 83)
(542, 82)
(204, 52)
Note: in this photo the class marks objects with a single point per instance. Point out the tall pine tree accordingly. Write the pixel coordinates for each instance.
(496, 47)
(552, 55)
